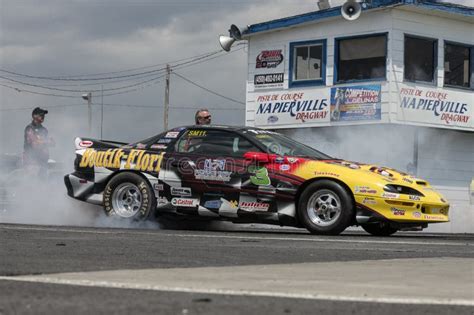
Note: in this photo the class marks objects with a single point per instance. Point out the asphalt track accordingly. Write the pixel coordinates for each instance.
(58, 270)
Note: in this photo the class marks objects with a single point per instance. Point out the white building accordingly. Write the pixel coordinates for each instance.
(393, 87)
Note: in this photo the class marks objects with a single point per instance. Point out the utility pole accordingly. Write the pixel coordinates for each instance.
(102, 112)
(88, 98)
(167, 96)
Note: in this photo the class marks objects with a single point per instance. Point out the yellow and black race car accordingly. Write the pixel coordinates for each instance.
(245, 175)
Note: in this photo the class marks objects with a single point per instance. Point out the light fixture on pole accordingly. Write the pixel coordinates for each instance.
(88, 98)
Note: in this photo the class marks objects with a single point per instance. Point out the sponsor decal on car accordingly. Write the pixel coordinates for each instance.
(165, 140)
(158, 187)
(213, 204)
(390, 195)
(284, 167)
(141, 146)
(181, 191)
(112, 158)
(416, 214)
(197, 133)
(292, 160)
(413, 197)
(162, 201)
(254, 206)
(397, 211)
(184, 202)
(85, 143)
(279, 159)
(234, 204)
(326, 174)
(364, 190)
(369, 201)
(213, 170)
(433, 217)
(158, 146)
(405, 179)
(172, 134)
(260, 175)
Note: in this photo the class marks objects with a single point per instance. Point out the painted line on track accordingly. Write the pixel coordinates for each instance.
(260, 237)
(340, 298)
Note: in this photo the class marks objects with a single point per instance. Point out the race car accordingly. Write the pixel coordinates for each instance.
(248, 175)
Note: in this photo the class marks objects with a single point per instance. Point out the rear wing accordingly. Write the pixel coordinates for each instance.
(86, 143)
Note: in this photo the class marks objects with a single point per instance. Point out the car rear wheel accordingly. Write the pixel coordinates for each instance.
(326, 208)
(129, 196)
(379, 229)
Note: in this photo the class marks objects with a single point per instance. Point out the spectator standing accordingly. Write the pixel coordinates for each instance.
(37, 143)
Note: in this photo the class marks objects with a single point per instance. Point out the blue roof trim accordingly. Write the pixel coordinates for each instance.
(332, 12)
(449, 7)
(293, 20)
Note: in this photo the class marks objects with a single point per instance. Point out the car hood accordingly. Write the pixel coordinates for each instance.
(362, 178)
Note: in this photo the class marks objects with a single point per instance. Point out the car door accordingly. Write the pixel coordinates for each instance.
(208, 166)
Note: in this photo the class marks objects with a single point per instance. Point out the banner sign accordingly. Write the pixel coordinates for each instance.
(270, 68)
(292, 108)
(436, 106)
(356, 103)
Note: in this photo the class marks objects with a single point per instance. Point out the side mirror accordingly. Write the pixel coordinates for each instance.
(257, 156)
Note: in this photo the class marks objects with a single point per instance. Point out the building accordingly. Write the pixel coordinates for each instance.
(393, 87)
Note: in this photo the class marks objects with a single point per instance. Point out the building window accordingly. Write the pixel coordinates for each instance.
(361, 58)
(308, 63)
(457, 67)
(420, 59)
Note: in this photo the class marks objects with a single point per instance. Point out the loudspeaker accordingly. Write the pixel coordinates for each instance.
(236, 32)
(351, 10)
(226, 42)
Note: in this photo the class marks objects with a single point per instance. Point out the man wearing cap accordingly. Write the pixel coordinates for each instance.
(37, 143)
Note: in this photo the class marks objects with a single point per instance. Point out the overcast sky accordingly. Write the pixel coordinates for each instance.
(67, 38)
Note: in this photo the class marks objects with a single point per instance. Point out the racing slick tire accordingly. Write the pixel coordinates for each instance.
(129, 196)
(379, 229)
(325, 208)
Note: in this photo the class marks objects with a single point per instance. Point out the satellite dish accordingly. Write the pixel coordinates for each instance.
(351, 10)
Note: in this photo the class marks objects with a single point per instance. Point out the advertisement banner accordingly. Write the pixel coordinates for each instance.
(292, 108)
(269, 68)
(356, 103)
(436, 106)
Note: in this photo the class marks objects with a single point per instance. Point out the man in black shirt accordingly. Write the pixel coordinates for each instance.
(37, 143)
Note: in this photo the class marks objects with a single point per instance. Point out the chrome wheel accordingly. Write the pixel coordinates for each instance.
(126, 200)
(324, 207)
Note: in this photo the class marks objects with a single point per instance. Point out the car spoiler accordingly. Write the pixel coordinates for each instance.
(86, 143)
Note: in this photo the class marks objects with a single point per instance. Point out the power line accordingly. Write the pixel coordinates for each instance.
(37, 93)
(105, 78)
(126, 89)
(79, 91)
(208, 90)
(118, 106)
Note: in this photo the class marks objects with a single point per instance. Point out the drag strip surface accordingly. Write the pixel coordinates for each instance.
(279, 271)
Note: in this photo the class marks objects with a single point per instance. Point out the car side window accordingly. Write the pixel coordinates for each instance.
(214, 142)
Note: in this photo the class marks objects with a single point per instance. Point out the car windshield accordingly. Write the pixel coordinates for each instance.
(277, 143)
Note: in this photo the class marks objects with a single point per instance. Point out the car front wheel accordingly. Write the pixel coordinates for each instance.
(128, 196)
(326, 208)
